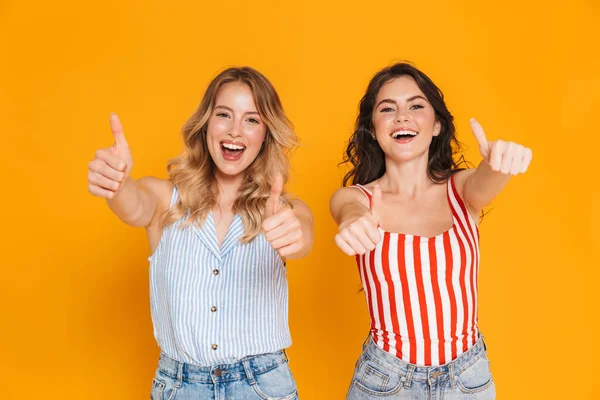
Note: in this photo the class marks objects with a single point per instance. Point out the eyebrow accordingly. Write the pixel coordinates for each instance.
(231, 110)
(418, 96)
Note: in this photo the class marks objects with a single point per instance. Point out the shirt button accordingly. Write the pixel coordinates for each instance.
(214, 346)
(215, 272)
(213, 309)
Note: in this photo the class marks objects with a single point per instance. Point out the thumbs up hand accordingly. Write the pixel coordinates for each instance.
(505, 157)
(273, 200)
(282, 227)
(111, 166)
(360, 235)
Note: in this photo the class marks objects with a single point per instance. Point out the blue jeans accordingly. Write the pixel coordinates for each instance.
(379, 374)
(261, 377)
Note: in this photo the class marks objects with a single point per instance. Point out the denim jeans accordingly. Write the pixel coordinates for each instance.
(261, 377)
(379, 374)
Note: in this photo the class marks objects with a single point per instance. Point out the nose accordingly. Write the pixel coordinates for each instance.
(236, 129)
(401, 116)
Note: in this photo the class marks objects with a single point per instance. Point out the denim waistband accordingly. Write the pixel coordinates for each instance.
(246, 368)
(421, 373)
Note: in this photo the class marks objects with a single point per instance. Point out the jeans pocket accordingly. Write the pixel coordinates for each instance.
(476, 378)
(158, 389)
(276, 384)
(163, 387)
(373, 379)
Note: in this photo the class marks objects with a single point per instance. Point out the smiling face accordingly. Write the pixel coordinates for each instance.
(404, 120)
(235, 131)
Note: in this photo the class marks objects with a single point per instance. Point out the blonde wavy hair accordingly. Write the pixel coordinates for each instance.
(193, 172)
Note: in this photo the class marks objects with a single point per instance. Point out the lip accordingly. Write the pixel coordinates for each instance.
(228, 156)
(404, 130)
(404, 140)
(222, 142)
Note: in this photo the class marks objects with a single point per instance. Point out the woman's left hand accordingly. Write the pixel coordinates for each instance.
(282, 227)
(505, 157)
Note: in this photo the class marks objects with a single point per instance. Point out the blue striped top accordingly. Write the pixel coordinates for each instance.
(214, 305)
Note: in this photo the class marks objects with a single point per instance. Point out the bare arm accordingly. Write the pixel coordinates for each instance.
(348, 204)
(357, 221)
(501, 160)
(139, 203)
(288, 229)
(135, 202)
(305, 218)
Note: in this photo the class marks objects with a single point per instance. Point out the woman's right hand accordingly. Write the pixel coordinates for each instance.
(111, 166)
(359, 234)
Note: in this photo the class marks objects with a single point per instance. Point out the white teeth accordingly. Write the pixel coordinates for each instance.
(397, 134)
(232, 146)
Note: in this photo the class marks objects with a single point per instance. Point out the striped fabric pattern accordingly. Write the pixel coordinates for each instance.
(422, 291)
(214, 305)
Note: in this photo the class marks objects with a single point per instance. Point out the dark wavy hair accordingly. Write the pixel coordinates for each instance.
(364, 153)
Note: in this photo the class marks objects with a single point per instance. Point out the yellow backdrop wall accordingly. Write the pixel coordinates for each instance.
(75, 321)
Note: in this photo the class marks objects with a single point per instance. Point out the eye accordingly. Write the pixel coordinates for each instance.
(387, 109)
(416, 106)
(253, 120)
(222, 114)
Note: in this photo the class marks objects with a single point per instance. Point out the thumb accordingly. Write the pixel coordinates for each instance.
(117, 131)
(479, 134)
(273, 200)
(376, 204)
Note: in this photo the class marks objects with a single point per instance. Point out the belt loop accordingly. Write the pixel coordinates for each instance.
(409, 374)
(248, 371)
(179, 381)
(452, 377)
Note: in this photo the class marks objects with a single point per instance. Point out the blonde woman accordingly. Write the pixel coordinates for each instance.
(220, 229)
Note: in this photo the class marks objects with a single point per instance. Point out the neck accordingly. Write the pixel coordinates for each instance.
(408, 178)
(227, 189)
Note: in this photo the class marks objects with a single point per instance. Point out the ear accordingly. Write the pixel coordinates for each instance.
(371, 132)
(437, 127)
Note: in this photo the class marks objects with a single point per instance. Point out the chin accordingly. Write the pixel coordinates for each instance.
(405, 156)
(231, 172)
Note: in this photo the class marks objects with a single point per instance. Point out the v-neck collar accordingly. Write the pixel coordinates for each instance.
(208, 235)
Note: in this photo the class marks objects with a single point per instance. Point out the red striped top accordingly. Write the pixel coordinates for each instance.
(422, 291)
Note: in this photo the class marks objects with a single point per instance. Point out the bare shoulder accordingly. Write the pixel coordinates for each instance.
(159, 189)
(460, 178)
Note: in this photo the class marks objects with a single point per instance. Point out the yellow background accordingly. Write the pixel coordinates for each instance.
(75, 320)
